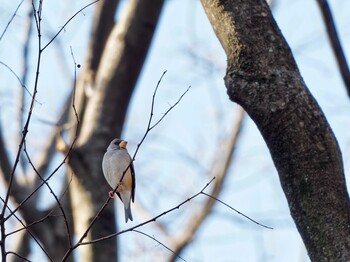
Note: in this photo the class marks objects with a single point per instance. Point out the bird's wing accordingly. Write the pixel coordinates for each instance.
(133, 181)
(118, 194)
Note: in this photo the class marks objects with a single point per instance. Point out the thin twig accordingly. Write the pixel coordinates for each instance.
(160, 243)
(240, 213)
(26, 126)
(149, 220)
(48, 215)
(149, 125)
(25, 66)
(66, 23)
(44, 181)
(219, 169)
(37, 13)
(24, 134)
(10, 21)
(169, 109)
(19, 80)
(74, 91)
(149, 128)
(26, 227)
(66, 155)
(51, 191)
(17, 255)
(335, 42)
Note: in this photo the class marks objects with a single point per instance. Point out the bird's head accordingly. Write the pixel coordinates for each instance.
(117, 144)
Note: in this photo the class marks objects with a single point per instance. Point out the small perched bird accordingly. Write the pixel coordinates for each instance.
(114, 164)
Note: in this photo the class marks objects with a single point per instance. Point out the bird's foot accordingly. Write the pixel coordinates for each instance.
(119, 187)
(111, 194)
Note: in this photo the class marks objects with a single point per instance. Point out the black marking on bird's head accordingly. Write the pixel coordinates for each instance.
(116, 141)
(118, 144)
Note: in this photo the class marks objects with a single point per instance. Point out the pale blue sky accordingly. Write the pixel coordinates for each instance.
(171, 165)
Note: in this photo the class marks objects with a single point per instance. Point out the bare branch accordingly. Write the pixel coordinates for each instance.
(19, 80)
(27, 229)
(105, 110)
(150, 220)
(149, 128)
(66, 155)
(45, 158)
(66, 23)
(102, 26)
(335, 42)
(149, 125)
(25, 53)
(44, 215)
(45, 181)
(53, 193)
(240, 213)
(26, 126)
(219, 170)
(24, 134)
(19, 256)
(160, 243)
(10, 21)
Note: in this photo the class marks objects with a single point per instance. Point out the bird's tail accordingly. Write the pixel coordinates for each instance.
(128, 214)
(126, 197)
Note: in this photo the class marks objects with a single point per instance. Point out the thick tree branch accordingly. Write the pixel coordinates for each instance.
(103, 118)
(101, 29)
(262, 76)
(121, 63)
(102, 25)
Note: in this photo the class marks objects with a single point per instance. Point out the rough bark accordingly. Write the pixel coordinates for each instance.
(263, 78)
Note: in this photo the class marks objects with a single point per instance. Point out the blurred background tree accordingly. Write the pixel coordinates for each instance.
(112, 95)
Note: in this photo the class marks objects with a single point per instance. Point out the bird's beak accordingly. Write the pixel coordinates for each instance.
(123, 144)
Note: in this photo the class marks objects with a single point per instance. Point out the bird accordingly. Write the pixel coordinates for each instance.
(117, 161)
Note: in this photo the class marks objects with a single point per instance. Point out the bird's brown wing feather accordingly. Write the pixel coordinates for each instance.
(133, 182)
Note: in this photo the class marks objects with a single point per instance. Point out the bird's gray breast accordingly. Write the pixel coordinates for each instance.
(114, 163)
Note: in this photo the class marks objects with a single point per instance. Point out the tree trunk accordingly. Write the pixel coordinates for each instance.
(104, 111)
(263, 78)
